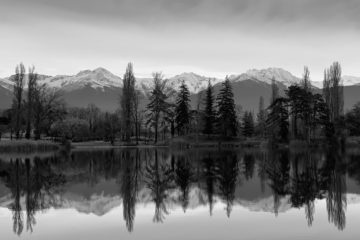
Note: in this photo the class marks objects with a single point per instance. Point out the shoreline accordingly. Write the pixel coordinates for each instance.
(31, 146)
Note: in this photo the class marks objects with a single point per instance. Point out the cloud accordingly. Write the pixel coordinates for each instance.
(210, 35)
(320, 13)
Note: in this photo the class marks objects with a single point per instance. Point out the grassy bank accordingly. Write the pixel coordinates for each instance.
(27, 146)
(215, 142)
(182, 142)
(117, 144)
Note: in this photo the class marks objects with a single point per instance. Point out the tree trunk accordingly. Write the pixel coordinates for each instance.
(28, 130)
(136, 130)
(156, 132)
(172, 129)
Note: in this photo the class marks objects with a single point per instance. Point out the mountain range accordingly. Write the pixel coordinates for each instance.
(103, 88)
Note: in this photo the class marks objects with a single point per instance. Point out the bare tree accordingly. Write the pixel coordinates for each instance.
(18, 92)
(333, 91)
(93, 113)
(306, 83)
(48, 108)
(32, 81)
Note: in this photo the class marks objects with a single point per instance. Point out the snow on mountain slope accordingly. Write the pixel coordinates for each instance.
(145, 85)
(266, 204)
(98, 79)
(266, 76)
(351, 80)
(347, 81)
(97, 204)
(194, 82)
(6, 83)
(101, 78)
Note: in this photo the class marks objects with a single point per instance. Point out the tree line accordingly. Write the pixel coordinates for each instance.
(296, 113)
(32, 112)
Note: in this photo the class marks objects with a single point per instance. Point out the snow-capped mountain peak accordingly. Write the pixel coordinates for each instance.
(98, 79)
(6, 83)
(101, 78)
(194, 82)
(346, 81)
(350, 80)
(266, 76)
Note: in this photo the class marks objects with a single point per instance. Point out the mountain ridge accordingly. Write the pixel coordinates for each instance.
(103, 88)
(101, 77)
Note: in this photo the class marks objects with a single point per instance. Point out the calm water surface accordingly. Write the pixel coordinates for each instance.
(166, 194)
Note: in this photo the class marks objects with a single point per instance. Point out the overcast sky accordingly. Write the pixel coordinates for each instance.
(209, 37)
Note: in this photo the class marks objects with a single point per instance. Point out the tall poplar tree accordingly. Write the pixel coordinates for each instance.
(307, 103)
(127, 101)
(333, 92)
(18, 96)
(32, 82)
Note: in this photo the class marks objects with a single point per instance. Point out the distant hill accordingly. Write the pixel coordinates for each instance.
(5, 98)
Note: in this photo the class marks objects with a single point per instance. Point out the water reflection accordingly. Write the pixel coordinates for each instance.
(37, 182)
(187, 179)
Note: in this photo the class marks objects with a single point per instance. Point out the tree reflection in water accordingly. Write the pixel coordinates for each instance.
(35, 181)
(158, 178)
(209, 172)
(129, 185)
(227, 173)
(336, 188)
(185, 179)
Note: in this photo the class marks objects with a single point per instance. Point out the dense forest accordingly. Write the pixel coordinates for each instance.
(297, 113)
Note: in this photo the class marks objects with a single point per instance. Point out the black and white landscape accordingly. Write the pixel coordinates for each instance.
(179, 119)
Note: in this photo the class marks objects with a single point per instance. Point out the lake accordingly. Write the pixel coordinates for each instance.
(171, 194)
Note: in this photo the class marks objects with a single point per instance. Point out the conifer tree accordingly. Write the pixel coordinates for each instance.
(306, 103)
(274, 90)
(127, 100)
(209, 113)
(157, 107)
(261, 118)
(277, 120)
(226, 116)
(271, 121)
(182, 115)
(295, 95)
(248, 124)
